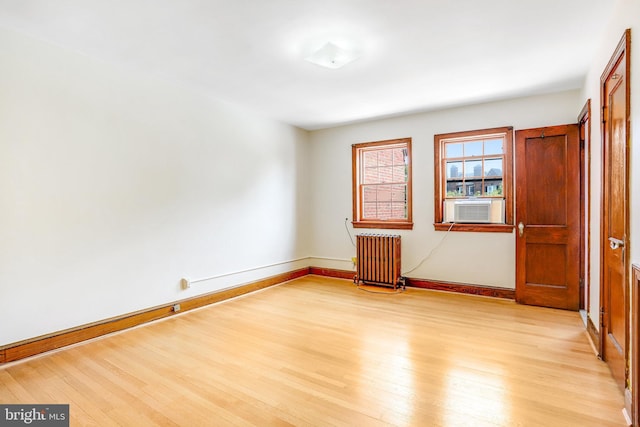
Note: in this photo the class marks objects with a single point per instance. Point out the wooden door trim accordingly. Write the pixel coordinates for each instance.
(623, 48)
(635, 352)
(585, 118)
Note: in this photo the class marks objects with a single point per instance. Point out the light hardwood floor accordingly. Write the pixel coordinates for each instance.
(318, 351)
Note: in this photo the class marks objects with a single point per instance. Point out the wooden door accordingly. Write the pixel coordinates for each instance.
(614, 227)
(548, 216)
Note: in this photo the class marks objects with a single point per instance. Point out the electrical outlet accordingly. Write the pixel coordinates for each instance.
(176, 308)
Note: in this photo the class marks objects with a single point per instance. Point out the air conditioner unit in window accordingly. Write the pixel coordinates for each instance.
(474, 210)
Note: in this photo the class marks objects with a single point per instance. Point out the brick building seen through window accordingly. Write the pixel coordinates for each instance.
(382, 184)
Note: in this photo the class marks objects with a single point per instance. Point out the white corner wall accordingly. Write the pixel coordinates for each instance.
(114, 185)
(626, 15)
(474, 258)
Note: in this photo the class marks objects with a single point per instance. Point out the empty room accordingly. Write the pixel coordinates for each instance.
(304, 213)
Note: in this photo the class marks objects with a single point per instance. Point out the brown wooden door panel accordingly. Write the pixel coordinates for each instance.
(548, 211)
(617, 321)
(615, 209)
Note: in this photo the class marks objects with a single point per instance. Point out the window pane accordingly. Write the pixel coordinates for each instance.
(385, 157)
(454, 169)
(493, 146)
(473, 148)
(473, 168)
(384, 193)
(398, 210)
(369, 211)
(472, 189)
(369, 159)
(453, 149)
(384, 211)
(493, 167)
(493, 187)
(454, 189)
(399, 174)
(399, 193)
(385, 173)
(398, 156)
(370, 176)
(369, 194)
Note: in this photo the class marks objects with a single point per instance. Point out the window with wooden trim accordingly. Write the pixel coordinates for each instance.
(474, 181)
(382, 184)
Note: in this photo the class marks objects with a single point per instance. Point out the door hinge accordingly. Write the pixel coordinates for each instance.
(604, 114)
(601, 317)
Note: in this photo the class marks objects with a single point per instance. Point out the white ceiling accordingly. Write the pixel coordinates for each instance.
(417, 55)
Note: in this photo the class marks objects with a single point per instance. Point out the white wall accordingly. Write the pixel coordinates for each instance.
(626, 15)
(114, 185)
(475, 258)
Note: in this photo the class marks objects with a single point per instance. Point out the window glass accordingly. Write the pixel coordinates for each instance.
(382, 184)
(473, 168)
(473, 149)
(493, 167)
(454, 169)
(453, 150)
(493, 146)
(370, 159)
(474, 165)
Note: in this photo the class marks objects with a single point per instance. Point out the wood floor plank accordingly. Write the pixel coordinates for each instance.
(319, 351)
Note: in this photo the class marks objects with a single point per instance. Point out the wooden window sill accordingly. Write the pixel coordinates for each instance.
(478, 228)
(383, 224)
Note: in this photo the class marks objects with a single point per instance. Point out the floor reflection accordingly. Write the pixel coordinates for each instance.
(475, 396)
(395, 372)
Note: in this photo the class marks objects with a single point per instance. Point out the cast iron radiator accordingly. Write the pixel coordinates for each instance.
(378, 260)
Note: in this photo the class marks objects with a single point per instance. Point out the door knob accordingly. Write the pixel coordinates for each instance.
(615, 243)
(520, 229)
